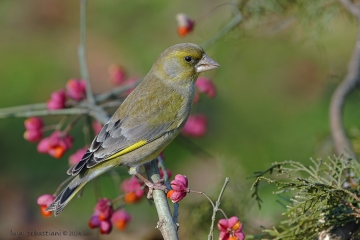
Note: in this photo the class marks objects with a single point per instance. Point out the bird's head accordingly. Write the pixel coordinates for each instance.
(183, 62)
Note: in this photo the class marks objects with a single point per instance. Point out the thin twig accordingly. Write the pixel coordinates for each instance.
(29, 107)
(61, 122)
(269, 170)
(243, 4)
(114, 94)
(44, 112)
(353, 195)
(82, 52)
(97, 189)
(49, 128)
(216, 208)
(212, 203)
(40, 109)
(227, 28)
(162, 166)
(99, 114)
(111, 104)
(118, 198)
(116, 179)
(121, 196)
(352, 78)
(222, 211)
(190, 145)
(72, 123)
(86, 131)
(62, 184)
(350, 7)
(197, 19)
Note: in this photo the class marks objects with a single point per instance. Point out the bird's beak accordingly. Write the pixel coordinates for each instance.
(206, 63)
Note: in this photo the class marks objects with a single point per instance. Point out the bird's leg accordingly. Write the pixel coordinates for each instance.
(159, 185)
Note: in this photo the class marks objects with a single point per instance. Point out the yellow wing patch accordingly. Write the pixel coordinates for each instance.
(128, 149)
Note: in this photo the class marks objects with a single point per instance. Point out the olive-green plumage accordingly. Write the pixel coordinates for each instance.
(146, 122)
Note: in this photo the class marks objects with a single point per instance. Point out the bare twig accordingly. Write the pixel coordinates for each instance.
(352, 78)
(222, 211)
(162, 166)
(40, 109)
(350, 7)
(118, 198)
(43, 112)
(111, 104)
(243, 4)
(61, 122)
(216, 208)
(62, 184)
(99, 114)
(22, 108)
(121, 196)
(72, 123)
(114, 94)
(202, 193)
(82, 52)
(116, 179)
(50, 128)
(86, 131)
(227, 28)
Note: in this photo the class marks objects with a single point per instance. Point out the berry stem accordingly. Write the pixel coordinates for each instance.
(216, 208)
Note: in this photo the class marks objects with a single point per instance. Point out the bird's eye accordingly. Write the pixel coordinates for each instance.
(188, 58)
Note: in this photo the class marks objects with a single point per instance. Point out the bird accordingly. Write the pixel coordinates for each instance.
(150, 117)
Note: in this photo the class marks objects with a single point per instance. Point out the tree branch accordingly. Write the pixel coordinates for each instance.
(82, 52)
(350, 7)
(42, 112)
(352, 78)
(166, 224)
(30, 107)
(166, 178)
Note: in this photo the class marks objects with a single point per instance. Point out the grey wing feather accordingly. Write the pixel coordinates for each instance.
(113, 138)
(139, 109)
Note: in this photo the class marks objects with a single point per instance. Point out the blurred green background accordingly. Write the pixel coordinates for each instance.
(272, 101)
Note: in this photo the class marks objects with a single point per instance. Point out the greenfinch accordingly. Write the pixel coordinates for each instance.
(146, 122)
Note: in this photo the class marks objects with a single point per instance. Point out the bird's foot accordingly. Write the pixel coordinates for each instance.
(159, 185)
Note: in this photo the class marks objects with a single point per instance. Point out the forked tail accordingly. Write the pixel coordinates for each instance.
(66, 195)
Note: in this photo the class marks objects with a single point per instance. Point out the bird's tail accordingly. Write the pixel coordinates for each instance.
(77, 183)
(66, 195)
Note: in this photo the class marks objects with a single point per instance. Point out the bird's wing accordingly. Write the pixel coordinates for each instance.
(135, 124)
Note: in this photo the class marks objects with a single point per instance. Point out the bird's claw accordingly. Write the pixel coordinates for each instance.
(159, 185)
